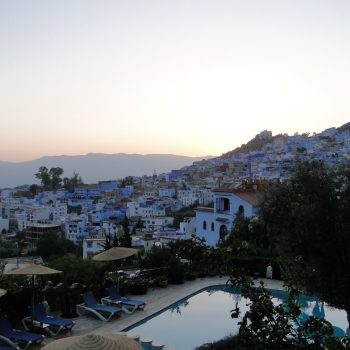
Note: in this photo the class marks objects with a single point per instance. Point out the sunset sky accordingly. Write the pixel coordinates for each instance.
(189, 77)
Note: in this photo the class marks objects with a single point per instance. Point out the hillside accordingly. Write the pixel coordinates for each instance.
(255, 144)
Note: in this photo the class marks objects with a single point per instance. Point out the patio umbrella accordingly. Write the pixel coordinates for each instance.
(33, 270)
(115, 253)
(94, 342)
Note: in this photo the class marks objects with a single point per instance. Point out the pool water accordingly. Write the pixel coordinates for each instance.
(205, 317)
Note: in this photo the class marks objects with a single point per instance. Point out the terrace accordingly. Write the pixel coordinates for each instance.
(156, 300)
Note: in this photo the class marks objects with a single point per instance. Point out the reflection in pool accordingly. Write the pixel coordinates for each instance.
(205, 317)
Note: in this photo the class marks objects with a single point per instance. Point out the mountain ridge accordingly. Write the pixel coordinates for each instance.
(93, 167)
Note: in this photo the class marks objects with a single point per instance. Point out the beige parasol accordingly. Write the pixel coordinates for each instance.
(115, 253)
(94, 342)
(2, 292)
(33, 270)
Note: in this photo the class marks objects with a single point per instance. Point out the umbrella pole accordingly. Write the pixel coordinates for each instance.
(32, 304)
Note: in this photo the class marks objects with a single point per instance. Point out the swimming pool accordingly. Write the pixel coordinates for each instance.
(205, 317)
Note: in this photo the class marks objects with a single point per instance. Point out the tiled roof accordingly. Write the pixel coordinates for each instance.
(248, 195)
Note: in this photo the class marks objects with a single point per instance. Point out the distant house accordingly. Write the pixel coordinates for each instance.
(92, 246)
(213, 224)
(87, 191)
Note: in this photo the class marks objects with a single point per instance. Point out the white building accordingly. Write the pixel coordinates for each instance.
(76, 227)
(58, 211)
(10, 203)
(157, 223)
(92, 246)
(6, 193)
(167, 192)
(188, 227)
(144, 210)
(189, 197)
(37, 213)
(214, 223)
(21, 219)
(4, 224)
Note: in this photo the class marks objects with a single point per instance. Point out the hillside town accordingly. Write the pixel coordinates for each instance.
(209, 194)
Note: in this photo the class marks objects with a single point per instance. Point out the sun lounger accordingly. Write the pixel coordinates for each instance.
(103, 312)
(128, 305)
(56, 324)
(25, 337)
(7, 344)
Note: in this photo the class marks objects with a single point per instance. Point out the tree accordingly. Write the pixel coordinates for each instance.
(44, 177)
(78, 270)
(33, 189)
(50, 179)
(53, 244)
(267, 325)
(127, 181)
(307, 223)
(110, 242)
(139, 223)
(69, 183)
(125, 239)
(180, 214)
(55, 176)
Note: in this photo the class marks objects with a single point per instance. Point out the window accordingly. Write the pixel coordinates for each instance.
(204, 225)
(223, 232)
(212, 226)
(223, 204)
(89, 244)
(226, 204)
(241, 209)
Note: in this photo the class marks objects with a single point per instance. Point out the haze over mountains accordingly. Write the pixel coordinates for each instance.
(93, 167)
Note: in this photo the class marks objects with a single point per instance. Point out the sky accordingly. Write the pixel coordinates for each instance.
(189, 77)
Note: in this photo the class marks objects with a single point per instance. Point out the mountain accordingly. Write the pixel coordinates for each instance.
(93, 167)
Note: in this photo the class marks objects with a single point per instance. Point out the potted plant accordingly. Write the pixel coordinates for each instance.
(162, 281)
(137, 286)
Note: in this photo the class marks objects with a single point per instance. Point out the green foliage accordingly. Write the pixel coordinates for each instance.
(74, 209)
(185, 259)
(53, 244)
(50, 179)
(125, 239)
(127, 181)
(194, 250)
(33, 189)
(246, 240)
(7, 249)
(70, 183)
(183, 213)
(110, 242)
(269, 326)
(306, 222)
(139, 223)
(255, 144)
(78, 270)
(157, 257)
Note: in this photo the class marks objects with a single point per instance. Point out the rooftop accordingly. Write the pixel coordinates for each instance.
(248, 195)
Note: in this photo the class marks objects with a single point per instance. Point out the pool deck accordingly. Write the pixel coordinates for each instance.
(156, 300)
